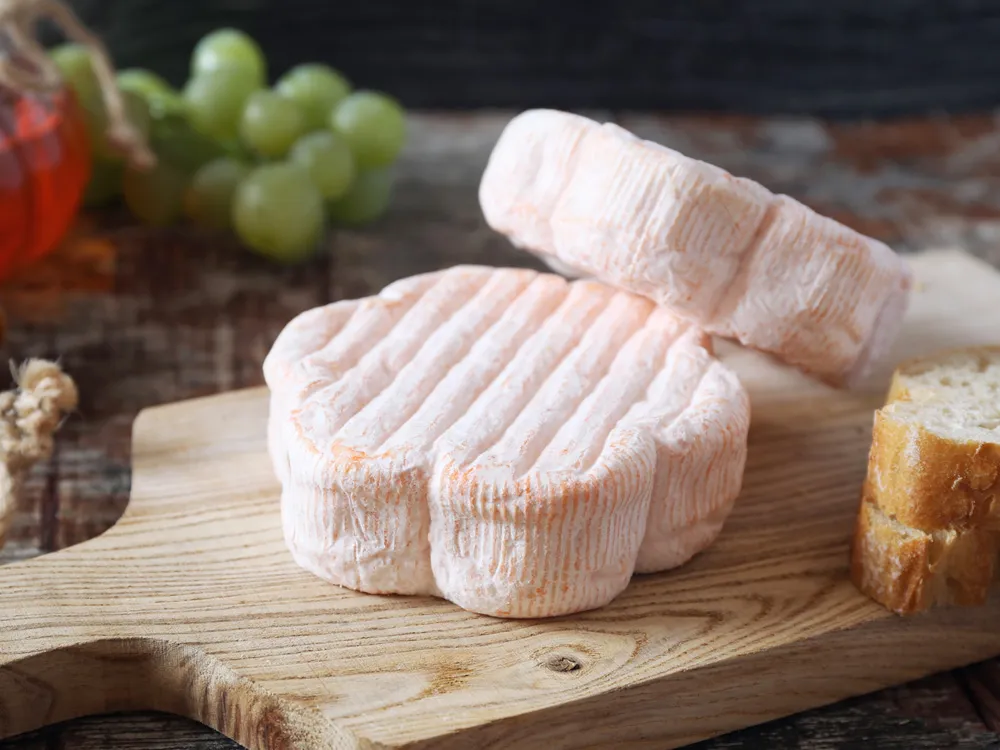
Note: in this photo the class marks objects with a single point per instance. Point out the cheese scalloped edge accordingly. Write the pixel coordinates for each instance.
(513, 442)
(722, 251)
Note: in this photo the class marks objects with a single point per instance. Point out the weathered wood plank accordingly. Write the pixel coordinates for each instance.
(928, 714)
(125, 732)
(183, 315)
(910, 183)
(982, 683)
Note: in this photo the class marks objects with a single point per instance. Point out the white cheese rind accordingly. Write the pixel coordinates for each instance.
(719, 250)
(508, 440)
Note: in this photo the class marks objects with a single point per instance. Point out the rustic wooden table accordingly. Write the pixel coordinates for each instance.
(142, 317)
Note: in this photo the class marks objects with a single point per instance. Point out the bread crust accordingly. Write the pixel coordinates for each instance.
(908, 571)
(928, 527)
(930, 482)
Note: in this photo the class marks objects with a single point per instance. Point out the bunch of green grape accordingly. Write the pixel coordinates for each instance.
(274, 164)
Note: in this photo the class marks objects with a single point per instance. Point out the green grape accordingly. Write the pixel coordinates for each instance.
(96, 122)
(174, 139)
(373, 125)
(271, 123)
(160, 96)
(237, 151)
(230, 49)
(76, 68)
(317, 89)
(154, 195)
(208, 199)
(367, 199)
(105, 183)
(328, 161)
(278, 212)
(137, 112)
(215, 101)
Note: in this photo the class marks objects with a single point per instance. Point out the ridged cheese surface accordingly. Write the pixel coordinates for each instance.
(719, 250)
(508, 440)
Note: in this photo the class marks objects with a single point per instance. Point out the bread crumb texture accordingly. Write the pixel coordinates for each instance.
(928, 529)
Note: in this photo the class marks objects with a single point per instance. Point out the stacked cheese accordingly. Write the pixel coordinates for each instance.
(520, 444)
(719, 250)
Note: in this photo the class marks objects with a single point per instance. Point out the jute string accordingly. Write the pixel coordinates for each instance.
(30, 414)
(26, 68)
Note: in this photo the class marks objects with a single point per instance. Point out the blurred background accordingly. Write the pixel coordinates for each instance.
(839, 58)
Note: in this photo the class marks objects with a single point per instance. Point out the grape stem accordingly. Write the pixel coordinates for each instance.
(28, 69)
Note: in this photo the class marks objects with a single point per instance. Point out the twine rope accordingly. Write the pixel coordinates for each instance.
(30, 414)
(27, 68)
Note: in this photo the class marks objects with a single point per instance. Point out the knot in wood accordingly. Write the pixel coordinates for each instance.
(562, 664)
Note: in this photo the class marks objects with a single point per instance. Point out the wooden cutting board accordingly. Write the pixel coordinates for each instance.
(191, 605)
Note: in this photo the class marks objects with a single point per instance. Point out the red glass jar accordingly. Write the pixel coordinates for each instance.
(44, 169)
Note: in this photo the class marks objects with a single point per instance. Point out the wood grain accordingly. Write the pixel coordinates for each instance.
(190, 604)
(928, 714)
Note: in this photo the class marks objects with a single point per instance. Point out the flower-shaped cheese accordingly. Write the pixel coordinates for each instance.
(508, 440)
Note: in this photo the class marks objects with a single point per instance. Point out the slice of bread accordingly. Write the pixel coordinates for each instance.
(908, 570)
(972, 372)
(928, 530)
(935, 464)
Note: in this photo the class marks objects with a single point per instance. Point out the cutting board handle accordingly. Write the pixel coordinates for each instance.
(81, 634)
(62, 650)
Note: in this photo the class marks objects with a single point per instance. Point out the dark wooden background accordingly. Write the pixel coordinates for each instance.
(836, 58)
